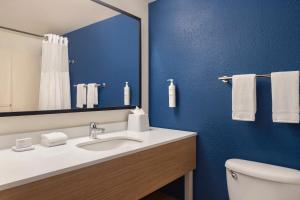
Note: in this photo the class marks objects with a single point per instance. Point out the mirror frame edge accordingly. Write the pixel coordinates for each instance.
(47, 112)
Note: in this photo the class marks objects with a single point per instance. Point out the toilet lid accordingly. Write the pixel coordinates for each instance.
(264, 171)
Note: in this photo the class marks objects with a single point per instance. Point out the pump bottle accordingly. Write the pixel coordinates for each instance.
(126, 94)
(172, 94)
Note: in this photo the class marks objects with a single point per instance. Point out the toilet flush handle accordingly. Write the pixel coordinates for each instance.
(234, 175)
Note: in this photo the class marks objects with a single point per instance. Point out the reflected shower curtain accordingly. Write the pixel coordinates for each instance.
(55, 78)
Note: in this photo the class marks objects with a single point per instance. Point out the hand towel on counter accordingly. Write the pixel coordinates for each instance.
(285, 97)
(81, 95)
(92, 95)
(53, 139)
(244, 97)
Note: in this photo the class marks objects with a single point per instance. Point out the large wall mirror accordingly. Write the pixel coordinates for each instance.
(68, 56)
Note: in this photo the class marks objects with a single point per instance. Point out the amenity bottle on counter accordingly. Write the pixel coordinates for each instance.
(172, 94)
(126, 94)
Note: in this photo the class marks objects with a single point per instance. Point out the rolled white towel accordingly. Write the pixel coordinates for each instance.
(53, 139)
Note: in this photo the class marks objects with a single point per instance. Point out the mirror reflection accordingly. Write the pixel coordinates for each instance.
(86, 58)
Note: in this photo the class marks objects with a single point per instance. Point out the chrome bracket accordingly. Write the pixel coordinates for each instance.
(234, 175)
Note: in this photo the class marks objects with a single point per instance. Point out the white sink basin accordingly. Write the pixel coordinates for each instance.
(109, 143)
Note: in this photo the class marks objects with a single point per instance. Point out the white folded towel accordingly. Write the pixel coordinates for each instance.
(53, 139)
(244, 97)
(92, 95)
(285, 97)
(81, 95)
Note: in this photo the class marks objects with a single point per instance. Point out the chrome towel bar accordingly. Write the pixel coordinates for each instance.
(97, 85)
(226, 79)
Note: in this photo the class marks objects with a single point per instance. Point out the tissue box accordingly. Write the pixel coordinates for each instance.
(138, 122)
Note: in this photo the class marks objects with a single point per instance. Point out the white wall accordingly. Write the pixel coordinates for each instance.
(43, 122)
(5, 80)
(20, 58)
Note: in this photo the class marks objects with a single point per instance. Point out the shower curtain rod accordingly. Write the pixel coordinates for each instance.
(23, 32)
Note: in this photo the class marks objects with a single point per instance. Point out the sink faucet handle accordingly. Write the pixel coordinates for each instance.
(93, 125)
(94, 130)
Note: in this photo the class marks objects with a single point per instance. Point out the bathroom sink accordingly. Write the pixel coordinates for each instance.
(109, 143)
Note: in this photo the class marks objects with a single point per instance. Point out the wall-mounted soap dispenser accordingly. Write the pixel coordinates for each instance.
(172, 94)
(126, 94)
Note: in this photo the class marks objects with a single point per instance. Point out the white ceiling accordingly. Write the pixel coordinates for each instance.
(51, 16)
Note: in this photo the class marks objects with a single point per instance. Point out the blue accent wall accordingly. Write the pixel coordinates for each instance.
(107, 51)
(195, 42)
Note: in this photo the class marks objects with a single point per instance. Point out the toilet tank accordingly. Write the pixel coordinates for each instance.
(247, 180)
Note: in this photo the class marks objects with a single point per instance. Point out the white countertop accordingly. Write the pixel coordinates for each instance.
(19, 168)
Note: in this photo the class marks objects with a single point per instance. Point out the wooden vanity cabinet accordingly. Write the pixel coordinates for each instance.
(130, 177)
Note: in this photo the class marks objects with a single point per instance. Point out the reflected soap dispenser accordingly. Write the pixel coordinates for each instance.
(126, 94)
(172, 94)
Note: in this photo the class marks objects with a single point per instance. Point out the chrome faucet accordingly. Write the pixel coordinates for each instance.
(94, 130)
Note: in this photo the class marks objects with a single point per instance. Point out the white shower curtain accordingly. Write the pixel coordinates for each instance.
(55, 78)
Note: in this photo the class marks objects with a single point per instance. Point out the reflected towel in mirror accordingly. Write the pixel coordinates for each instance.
(92, 95)
(81, 95)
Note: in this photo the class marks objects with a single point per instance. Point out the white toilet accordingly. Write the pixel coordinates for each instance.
(248, 180)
